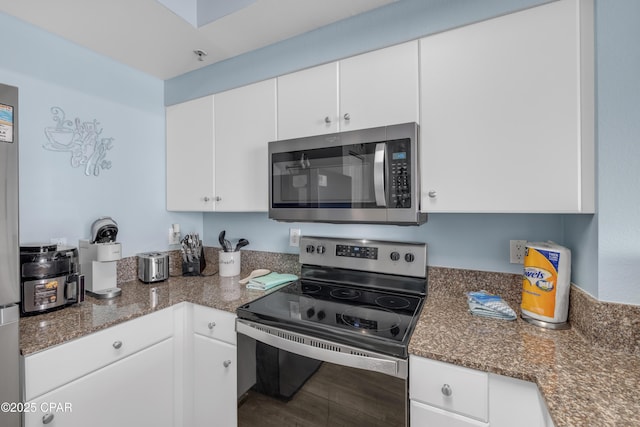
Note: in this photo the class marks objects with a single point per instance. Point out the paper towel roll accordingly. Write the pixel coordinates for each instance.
(546, 282)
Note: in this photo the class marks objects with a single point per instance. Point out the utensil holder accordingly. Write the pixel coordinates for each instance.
(228, 264)
(195, 267)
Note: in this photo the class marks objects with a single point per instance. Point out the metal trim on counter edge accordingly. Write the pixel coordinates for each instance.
(324, 350)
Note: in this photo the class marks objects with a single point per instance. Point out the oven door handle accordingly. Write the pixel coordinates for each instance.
(327, 351)
(378, 174)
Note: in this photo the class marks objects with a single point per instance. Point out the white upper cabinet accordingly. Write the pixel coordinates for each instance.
(380, 88)
(245, 121)
(373, 89)
(217, 150)
(308, 102)
(190, 155)
(507, 113)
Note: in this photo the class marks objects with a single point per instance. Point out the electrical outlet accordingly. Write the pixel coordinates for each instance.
(294, 237)
(516, 251)
(174, 237)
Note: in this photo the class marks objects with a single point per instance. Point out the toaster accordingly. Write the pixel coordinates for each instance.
(153, 266)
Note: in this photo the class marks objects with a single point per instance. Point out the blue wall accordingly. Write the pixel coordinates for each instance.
(618, 133)
(58, 200)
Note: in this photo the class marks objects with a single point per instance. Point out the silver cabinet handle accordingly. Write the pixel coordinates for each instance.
(207, 199)
(347, 116)
(446, 390)
(432, 194)
(226, 363)
(327, 120)
(47, 418)
(211, 325)
(117, 344)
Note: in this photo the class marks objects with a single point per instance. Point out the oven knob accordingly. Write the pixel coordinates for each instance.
(395, 256)
(321, 315)
(310, 249)
(321, 249)
(409, 257)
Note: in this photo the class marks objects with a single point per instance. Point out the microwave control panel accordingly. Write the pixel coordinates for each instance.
(399, 173)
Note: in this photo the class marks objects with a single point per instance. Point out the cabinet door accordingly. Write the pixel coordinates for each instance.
(308, 102)
(501, 122)
(515, 402)
(245, 121)
(215, 384)
(135, 391)
(190, 155)
(379, 88)
(427, 416)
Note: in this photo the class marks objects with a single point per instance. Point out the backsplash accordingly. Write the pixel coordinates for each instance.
(610, 325)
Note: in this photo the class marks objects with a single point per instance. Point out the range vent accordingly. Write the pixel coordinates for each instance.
(325, 346)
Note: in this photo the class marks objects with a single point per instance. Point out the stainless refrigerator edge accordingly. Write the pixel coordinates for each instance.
(9, 257)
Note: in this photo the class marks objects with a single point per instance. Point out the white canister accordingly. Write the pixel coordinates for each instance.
(545, 284)
(228, 263)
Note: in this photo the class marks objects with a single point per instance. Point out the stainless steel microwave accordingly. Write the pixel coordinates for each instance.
(364, 176)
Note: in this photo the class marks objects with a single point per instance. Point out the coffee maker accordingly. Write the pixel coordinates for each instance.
(99, 259)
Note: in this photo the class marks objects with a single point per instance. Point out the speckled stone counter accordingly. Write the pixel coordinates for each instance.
(224, 293)
(583, 384)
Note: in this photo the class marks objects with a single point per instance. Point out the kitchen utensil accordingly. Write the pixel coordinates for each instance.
(193, 262)
(255, 273)
(224, 243)
(241, 244)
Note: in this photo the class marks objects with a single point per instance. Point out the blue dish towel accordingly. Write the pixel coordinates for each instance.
(271, 280)
(485, 304)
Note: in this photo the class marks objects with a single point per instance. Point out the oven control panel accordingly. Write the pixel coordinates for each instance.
(353, 251)
(402, 258)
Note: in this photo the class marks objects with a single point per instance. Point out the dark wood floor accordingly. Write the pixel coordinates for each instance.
(334, 396)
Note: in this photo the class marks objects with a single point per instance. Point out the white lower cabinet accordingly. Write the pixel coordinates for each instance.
(135, 391)
(123, 375)
(172, 368)
(426, 415)
(214, 369)
(215, 396)
(447, 395)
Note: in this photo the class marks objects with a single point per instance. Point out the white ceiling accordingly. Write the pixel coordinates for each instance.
(149, 37)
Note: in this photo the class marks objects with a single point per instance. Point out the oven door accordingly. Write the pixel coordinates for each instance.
(320, 382)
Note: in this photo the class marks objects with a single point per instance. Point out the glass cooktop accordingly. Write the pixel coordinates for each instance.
(375, 319)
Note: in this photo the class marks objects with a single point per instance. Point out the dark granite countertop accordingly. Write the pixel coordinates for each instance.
(583, 385)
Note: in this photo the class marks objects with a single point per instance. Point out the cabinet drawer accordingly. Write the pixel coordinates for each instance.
(449, 387)
(59, 365)
(217, 324)
(426, 416)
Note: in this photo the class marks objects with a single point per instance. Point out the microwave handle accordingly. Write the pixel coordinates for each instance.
(378, 174)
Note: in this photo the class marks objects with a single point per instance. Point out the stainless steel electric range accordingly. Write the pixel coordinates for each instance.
(356, 304)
